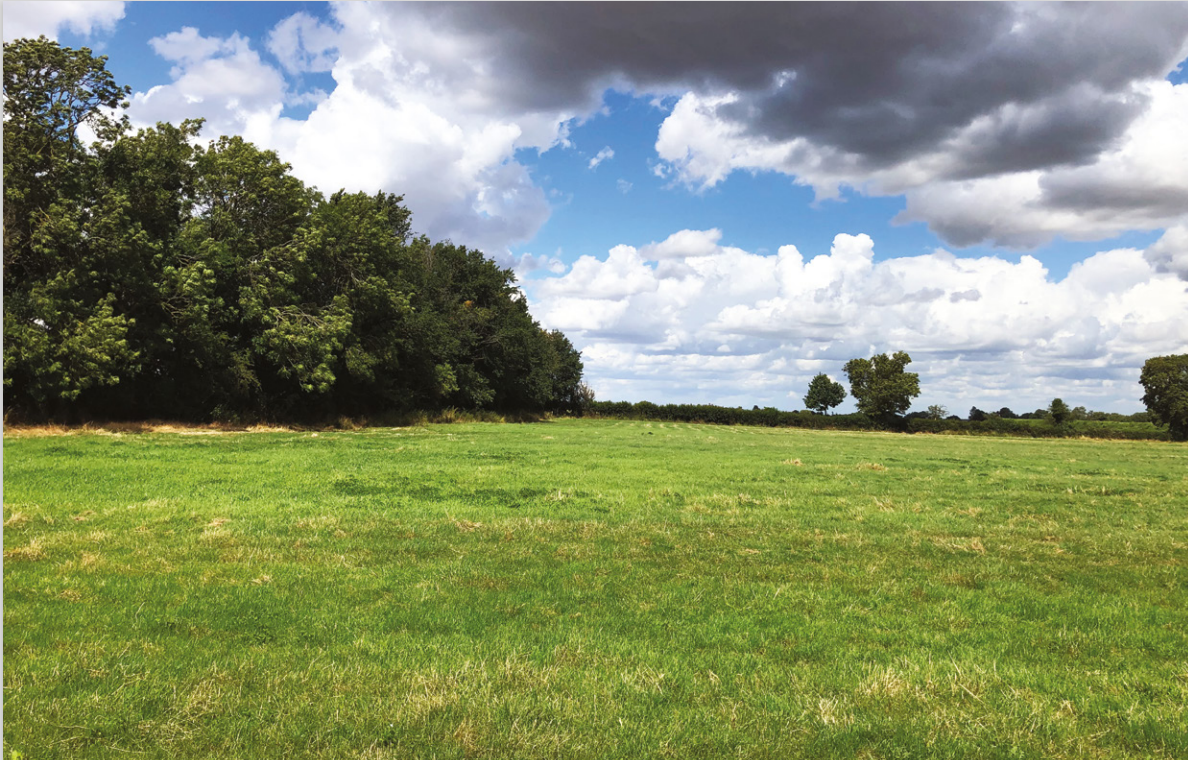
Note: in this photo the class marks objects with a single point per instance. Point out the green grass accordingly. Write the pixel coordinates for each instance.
(594, 589)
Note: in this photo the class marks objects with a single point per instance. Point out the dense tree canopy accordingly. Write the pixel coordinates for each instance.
(1058, 411)
(880, 386)
(823, 394)
(147, 275)
(1165, 380)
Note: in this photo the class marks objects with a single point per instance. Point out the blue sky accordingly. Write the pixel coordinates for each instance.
(718, 221)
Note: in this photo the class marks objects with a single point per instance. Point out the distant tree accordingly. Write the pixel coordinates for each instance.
(1007, 414)
(1165, 380)
(823, 394)
(1078, 413)
(976, 415)
(880, 386)
(937, 412)
(585, 397)
(1058, 411)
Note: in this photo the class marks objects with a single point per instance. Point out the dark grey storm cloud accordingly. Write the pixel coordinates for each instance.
(882, 82)
(1064, 191)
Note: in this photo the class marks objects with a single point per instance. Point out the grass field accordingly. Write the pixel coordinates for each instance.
(594, 589)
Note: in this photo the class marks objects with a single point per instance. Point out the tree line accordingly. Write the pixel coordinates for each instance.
(148, 275)
(883, 392)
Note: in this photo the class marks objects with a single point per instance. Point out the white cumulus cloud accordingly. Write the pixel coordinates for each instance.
(394, 120)
(24, 18)
(1170, 252)
(686, 318)
(997, 122)
(222, 80)
(1141, 182)
(303, 43)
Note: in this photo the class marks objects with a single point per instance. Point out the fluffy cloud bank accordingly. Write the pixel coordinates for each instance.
(387, 124)
(23, 18)
(1002, 123)
(687, 317)
(1136, 180)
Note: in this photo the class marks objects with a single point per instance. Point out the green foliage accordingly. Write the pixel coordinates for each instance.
(880, 386)
(1119, 429)
(1123, 427)
(823, 394)
(937, 412)
(145, 276)
(1165, 382)
(64, 332)
(724, 415)
(51, 96)
(1058, 411)
(584, 396)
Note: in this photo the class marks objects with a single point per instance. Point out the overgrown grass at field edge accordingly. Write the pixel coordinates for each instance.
(594, 589)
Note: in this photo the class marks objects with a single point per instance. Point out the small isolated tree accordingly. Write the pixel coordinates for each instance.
(585, 398)
(976, 414)
(880, 386)
(1165, 380)
(823, 394)
(1058, 411)
(937, 412)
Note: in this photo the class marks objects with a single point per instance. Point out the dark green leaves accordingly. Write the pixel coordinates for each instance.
(147, 276)
(1165, 380)
(823, 394)
(880, 385)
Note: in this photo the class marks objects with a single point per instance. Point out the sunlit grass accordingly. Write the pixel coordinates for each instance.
(594, 589)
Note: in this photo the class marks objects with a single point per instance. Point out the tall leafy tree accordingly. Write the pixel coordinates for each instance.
(569, 394)
(54, 98)
(823, 394)
(64, 333)
(334, 305)
(880, 386)
(147, 275)
(1058, 411)
(1165, 382)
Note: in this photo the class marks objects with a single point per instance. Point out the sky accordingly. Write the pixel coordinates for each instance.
(716, 202)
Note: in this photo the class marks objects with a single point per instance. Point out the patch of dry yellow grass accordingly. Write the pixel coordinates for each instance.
(30, 552)
(133, 428)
